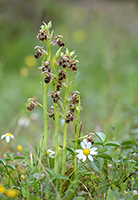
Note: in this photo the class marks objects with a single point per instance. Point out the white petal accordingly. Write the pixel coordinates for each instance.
(94, 148)
(93, 152)
(12, 136)
(7, 139)
(51, 156)
(50, 151)
(90, 157)
(83, 145)
(79, 150)
(3, 136)
(88, 145)
(84, 158)
(80, 155)
(85, 141)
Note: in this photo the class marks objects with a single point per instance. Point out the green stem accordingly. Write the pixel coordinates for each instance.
(65, 125)
(44, 146)
(45, 140)
(15, 183)
(77, 133)
(64, 149)
(56, 113)
(65, 132)
(39, 104)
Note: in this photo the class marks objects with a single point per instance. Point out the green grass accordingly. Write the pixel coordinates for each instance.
(107, 75)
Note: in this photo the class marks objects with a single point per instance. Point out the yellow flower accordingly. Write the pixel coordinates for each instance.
(2, 189)
(12, 193)
(19, 147)
(22, 177)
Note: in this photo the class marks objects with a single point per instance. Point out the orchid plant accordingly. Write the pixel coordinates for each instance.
(61, 171)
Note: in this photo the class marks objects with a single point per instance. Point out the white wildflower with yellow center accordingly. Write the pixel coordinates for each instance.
(7, 136)
(86, 151)
(50, 153)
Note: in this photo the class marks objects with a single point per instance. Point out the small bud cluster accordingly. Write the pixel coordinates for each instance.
(47, 70)
(66, 61)
(43, 35)
(74, 100)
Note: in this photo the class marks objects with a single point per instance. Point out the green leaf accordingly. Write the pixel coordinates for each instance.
(19, 157)
(4, 160)
(11, 155)
(1, 167)
(128, 142)
(67, 52)
(96, 165)
(111, 195)
(79, 198)
(57, 55)
(105, 156)
(101, 136)
(69, 194)
(49, 25)
(103, 150)
(116, 194)
(11, 166)
(68, 149)
(50, 171)
(136, 142)
(60, 176)
(116, 144)
(99, 143)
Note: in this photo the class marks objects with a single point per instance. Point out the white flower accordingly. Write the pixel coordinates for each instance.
(7, 136)
(134, 192)
(86, 151)
(50, 153)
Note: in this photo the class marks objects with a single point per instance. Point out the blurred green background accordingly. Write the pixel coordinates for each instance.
(104, 35)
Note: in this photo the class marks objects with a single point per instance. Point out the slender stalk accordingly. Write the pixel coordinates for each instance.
(77, 133)
(10, 177)
(65, 131)
(64, 149)
(45, 140)
(56, 113)
(65, 125)
(44, 146)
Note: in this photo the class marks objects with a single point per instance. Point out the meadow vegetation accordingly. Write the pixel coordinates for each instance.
(106, 78)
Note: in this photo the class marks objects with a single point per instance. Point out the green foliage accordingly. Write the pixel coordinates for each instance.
(107, 80)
